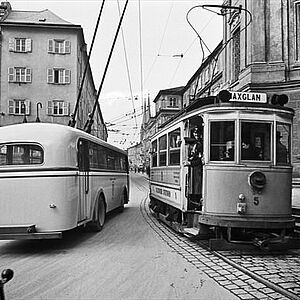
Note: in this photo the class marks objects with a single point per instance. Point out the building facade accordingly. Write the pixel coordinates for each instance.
(259, 52)
(42, 62)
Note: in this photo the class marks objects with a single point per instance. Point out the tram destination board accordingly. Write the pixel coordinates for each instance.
(248, 97)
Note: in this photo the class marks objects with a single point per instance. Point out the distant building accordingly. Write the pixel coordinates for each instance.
(42, 61)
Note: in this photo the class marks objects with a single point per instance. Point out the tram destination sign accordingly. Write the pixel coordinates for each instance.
(248, 97)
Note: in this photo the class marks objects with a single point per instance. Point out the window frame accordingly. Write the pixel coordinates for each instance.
(174, 150)
(162, 151)
(28, 147)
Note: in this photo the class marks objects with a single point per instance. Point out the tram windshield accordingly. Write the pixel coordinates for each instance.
(283, 137)
(222, 140)
(255, 141)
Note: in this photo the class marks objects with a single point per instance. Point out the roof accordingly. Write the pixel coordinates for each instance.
(35, 17)
(171, 91)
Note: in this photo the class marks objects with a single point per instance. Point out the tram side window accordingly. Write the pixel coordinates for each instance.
(174, 147)
(283, 150)
(222, 137)
(163, 150)
(154, 153)
(21, 154)
(255, 141)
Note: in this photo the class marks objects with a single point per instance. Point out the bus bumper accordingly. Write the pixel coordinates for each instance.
(26, 232)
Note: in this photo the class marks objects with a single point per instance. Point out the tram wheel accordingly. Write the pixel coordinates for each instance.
(99, 215)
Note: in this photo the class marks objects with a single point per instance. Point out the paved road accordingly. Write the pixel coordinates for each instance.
(127, 260)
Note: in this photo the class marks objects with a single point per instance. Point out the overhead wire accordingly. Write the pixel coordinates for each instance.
(89, 123)
(127, 67)
(72, 121)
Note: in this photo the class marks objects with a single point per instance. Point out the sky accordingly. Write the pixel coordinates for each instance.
(156, 49)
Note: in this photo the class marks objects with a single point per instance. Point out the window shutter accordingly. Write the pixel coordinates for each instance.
(50, 75)
(27, 107)
(51, 46)
(67, 45)
(28, 75)
(66, 106)
(11, 107)
(50, 108)
(11, 74)
(11, 45)
(28, 43)
(67, 78)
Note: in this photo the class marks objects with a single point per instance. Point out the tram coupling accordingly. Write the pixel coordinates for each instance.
(6, 275)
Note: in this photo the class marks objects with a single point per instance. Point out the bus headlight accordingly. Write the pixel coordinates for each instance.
(257, 180)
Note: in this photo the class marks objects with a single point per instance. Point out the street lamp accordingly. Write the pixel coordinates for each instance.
(39, 104)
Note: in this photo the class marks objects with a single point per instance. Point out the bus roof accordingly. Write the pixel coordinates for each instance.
(47, 132)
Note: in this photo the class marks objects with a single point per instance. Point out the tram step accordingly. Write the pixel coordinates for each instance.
(191, 231)
(17, 229)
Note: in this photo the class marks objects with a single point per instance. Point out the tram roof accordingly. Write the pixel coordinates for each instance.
(214, 102)
(45, 132)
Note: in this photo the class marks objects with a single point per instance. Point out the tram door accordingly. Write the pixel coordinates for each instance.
(194, 153)
(84, 180)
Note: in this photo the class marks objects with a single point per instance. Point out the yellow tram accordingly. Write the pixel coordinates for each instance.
(238, 186)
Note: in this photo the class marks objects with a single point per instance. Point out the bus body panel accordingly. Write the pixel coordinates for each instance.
(56, 194)
(27, 200)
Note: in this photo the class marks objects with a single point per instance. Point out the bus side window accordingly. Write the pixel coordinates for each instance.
(83, 155)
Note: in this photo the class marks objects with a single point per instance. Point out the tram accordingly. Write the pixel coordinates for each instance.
(221, 169)
(54, 178)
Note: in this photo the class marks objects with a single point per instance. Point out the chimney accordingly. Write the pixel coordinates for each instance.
(5, 9)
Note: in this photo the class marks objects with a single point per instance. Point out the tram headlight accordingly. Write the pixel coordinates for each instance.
(257, 180)
(224, 96)
(281, 99)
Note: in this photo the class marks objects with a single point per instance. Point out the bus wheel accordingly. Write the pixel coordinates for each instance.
(99, 215)
(123, 201)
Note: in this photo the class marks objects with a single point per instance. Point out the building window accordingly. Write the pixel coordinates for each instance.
(22, 45)
(236, 54)
(173, 102)
(19, 107)
(58, 108)
(59, 76)
(59, 46)
(19, 75)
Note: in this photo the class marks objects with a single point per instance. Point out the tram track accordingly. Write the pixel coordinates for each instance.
(224, 267)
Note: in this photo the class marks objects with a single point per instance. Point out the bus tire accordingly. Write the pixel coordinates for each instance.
(123, 200)
(99, 215)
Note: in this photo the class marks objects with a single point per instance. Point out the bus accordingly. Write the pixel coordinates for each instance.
(54, 178)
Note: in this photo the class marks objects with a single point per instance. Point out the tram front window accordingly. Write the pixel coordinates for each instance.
(255, 141)
(283, 132)
(222, 135)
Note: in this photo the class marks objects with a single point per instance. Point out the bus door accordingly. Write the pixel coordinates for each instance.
(84, 180)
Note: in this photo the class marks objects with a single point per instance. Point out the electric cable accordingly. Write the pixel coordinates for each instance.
(72, 121)
(90, 121)
(127, 66)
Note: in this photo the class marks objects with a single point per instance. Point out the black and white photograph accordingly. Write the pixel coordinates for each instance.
(150, 149)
